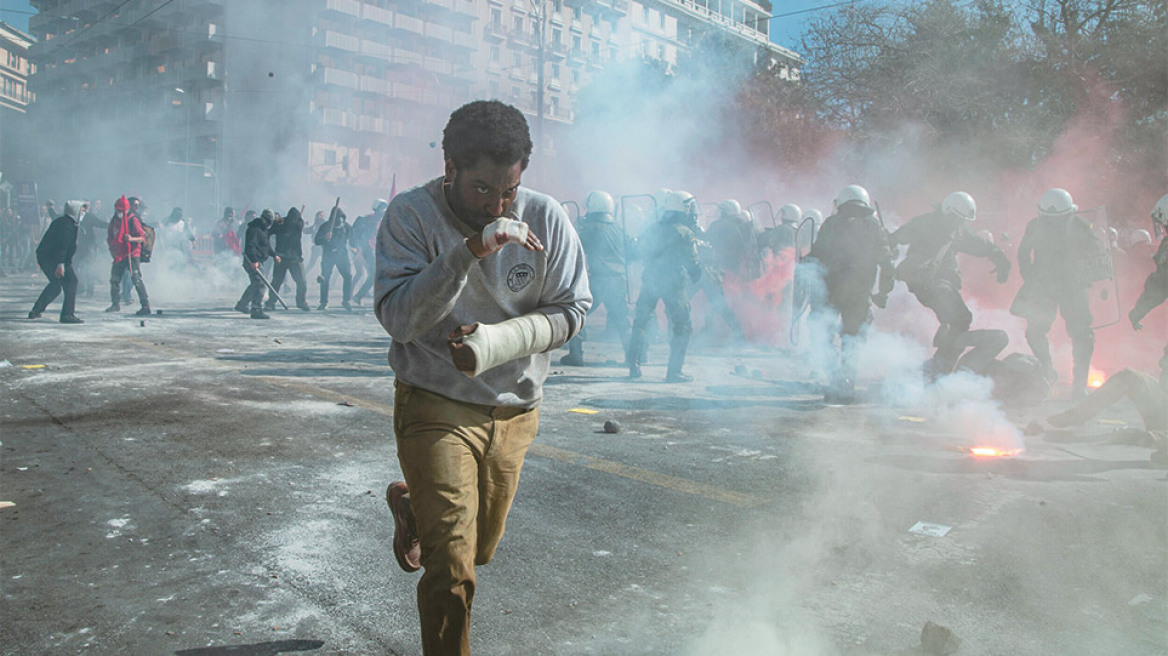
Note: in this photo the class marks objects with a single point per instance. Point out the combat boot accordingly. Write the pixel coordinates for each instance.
(143, 311)
(115, 307)
(259, 314)
(677, 349)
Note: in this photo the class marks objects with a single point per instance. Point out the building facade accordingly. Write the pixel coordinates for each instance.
(15, 69)
(209, 102)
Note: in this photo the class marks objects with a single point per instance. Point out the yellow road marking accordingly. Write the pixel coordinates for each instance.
(584, 411)
(630, 472)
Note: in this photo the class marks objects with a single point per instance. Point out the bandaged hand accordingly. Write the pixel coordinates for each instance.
(479, 347)
(502, 231)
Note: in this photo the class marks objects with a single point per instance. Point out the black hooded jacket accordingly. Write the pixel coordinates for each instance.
(288, 237)
(59, 243)
(257, 246)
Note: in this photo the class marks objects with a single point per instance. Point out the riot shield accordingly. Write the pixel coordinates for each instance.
(801, 286)
(637, 213)
(573, 210)
(770, 213)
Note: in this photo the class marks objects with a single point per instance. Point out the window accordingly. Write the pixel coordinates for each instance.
(496, 17)
(519, 25)
(557, 36)
(554, 110)
(596, 49)
(577, 44)
(516, 59)
(495, 54)
(555, 71)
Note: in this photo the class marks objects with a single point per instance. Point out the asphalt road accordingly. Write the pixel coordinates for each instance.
(199, 483)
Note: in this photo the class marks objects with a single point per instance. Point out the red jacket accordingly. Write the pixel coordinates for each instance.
(121, 228)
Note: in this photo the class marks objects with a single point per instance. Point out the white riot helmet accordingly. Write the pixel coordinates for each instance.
(1057, 202)
(815, 215)
(747, 215)
(853, 194)
(730, 207)
(599, 202)
(661, 196)
(380, 204)
(960, 204)
(1160, 211)
(790, 213)
(679, 201)
(1139, 238)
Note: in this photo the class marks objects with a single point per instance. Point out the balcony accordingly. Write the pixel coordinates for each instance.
(347, 7)
(376, 85)
(337, 77)
(556, 50)
(439, 32)
(410, 24)
(341, 41)
(371, 124)
(378, 15)
(376, 49)
(337, 118)
(465, 40)
(494, 32)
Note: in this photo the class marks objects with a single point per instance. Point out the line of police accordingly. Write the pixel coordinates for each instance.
(1060, 257)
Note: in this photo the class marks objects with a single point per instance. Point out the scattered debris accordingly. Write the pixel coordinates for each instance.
(142, 324)
(225, 350)
(931, 530)
(915, 420)
(612, 426)
(345, 403)
(158, 312)
(584, 411)
(6, 504)
(1033, 428)
(1112, 422)
(937, 640)
(5, 363)
(32, 366)
(277, 340)
(740, 369)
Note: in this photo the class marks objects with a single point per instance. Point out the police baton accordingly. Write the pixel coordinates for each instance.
(275, 294)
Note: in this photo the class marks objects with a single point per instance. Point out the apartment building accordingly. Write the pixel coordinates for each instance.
(15, 69)
(210, 102)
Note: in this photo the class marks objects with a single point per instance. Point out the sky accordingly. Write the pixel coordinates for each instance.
(785, 31)
(15, 13)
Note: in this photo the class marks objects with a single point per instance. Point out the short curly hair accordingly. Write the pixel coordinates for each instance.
(490, 129)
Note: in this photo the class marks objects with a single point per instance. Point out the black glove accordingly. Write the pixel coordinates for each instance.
(881, 300)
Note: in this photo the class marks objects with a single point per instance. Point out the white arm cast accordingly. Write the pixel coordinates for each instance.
(496, 343)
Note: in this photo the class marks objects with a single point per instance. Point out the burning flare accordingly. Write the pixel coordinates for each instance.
(992, 451)
(1096, 378)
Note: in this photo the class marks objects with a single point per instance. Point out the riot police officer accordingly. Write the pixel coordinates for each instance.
(604, 244)
(1053, 259)
(669, 249)
(930, 269)
(850, 249)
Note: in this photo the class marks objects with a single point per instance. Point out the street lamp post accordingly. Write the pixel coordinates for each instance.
(187, 148)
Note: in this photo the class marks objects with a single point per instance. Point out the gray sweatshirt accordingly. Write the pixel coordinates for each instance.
(429, 283)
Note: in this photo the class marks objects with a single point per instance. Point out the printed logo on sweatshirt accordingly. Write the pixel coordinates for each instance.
(520, 276)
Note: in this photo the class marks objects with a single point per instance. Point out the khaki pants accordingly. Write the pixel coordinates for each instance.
(461, 462)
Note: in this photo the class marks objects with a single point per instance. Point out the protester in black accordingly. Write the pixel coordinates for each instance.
(55, 257)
